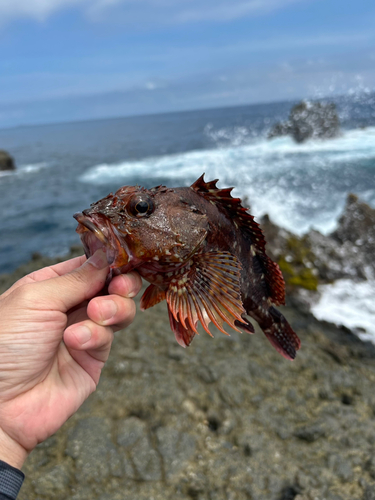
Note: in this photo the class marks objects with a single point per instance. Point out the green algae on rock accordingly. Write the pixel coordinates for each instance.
(297, 264)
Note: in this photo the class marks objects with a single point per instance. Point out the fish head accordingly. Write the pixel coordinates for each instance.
(137, 225)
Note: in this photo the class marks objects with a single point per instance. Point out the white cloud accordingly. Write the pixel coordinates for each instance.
(144, 11)
(224, 11)
(36, 9)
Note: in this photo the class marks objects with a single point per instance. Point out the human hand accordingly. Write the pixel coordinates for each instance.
(54, 341)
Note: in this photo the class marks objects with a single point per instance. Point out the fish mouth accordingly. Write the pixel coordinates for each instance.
(96, 232)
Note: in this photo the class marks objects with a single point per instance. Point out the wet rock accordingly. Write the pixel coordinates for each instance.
(309, 120)
(89, 444)
(133, 435)
(349, 252)
(6, 161)
(341, 467)
(54, 481)
(313, 259)
(310, 433)
(130, 431)
(289, 493)
(176, 448)
(357, 226)
(146, 461)
(369, 492)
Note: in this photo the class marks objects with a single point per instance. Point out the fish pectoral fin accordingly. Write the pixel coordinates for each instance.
(184, 336)
(246, 326)
(208, 291)
(152, 296)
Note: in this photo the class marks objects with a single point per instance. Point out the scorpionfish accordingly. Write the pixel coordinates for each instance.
(200, 250)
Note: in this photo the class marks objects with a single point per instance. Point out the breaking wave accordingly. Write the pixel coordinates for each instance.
(350, 304)
(24, 169)
(298, 185)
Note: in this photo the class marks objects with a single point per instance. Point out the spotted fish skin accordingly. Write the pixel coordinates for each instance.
(201, 251)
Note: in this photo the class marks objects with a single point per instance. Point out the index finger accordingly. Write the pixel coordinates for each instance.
(126, 285)
(48, 272)
(67, 266)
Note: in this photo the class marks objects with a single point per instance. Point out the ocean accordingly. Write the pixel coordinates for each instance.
(62, 168)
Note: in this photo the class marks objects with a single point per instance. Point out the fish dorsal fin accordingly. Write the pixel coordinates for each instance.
(232, 206)
(246, 223)
(207, 289)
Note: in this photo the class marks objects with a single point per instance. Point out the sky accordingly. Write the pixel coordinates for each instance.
(64, 60)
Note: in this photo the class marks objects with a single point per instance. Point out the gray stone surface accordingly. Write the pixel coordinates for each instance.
(176, 449)
(142, 460)
(227, 418)
(261, 428)
(54, 482)
(89, 444)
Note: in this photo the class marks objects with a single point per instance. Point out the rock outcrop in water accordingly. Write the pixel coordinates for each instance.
(6, 161)
(309, 120)
(348, 252)
(227, 418)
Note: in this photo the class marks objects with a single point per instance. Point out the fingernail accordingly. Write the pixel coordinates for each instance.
(98, 260)
(83, 334)
(108, 309)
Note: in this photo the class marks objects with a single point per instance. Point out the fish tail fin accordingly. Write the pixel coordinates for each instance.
(281, 334)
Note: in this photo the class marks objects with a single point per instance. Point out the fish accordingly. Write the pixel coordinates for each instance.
(200, 250)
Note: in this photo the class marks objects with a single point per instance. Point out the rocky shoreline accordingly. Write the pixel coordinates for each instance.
(228, 418)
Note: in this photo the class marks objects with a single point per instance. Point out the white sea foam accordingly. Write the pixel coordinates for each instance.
(33, 167)
(350, 304)
(284, 179)
(24, 169)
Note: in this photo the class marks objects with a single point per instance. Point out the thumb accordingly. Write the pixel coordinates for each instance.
(83, 283)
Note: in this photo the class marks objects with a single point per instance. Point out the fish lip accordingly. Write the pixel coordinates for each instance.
(88, 224)
(89, 228)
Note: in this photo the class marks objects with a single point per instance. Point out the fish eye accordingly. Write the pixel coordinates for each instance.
(141, 206)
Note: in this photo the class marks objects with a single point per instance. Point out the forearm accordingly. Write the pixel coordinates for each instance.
(11, 452)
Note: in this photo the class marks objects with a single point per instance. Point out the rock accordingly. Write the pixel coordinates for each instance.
(369, 492)
(313, 259)
(310, 433)
(357, 226)
(133, 435)
(280, 129)
(309, 120)
(6, 161)
(349, 252)
(89, 444)
(53, 482)
(176, 449)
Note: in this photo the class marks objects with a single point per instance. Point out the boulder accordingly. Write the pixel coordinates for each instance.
(357, 224)
(314, 258)
(6, 161)
(309, 120)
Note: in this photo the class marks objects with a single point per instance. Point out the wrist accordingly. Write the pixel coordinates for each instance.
(11, 451)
